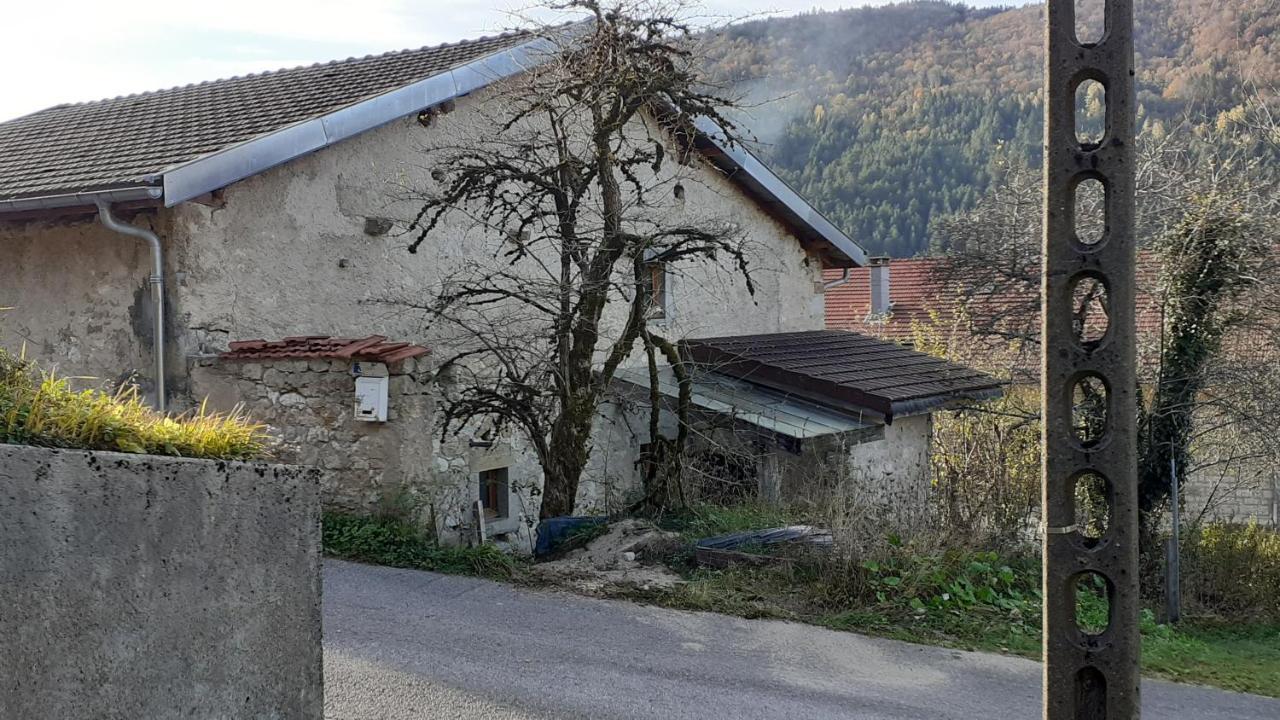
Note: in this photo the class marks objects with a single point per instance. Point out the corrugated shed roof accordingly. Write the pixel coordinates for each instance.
(842, 369)
(374, 348)
(128, 141)
(768, 409)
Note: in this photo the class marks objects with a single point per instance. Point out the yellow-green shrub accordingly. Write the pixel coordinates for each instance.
(1232, 570)
(41, 409)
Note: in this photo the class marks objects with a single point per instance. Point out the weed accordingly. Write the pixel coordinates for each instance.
(395, 542)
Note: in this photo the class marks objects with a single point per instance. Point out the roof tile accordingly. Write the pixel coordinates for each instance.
(319, 347)
(128, 141)
(843, 369)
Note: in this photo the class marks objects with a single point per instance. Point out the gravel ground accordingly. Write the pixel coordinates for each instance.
(406, 644)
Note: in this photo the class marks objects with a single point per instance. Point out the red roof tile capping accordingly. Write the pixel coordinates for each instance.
(374, 348)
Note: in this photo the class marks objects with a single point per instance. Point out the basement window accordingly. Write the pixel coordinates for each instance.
(495, 494)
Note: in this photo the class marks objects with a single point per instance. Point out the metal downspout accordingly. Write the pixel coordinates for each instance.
(844, 278)
(157, 290)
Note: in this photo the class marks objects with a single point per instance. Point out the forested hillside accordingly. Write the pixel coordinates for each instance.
(887, 117)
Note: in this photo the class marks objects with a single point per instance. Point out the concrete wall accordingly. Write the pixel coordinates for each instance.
(143, 587)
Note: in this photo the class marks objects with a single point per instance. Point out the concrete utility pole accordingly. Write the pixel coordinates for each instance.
(1088, 676)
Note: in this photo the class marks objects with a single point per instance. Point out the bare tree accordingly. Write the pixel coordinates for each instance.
(572, 184)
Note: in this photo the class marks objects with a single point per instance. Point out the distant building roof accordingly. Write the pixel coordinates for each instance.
(922, 289)
(844, 369)
(374, 348)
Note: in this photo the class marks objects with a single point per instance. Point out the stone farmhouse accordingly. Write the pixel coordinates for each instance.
(241, 240)
(893, 299)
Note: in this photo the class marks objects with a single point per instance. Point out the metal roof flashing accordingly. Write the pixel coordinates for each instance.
(782, 193)
(211, 172)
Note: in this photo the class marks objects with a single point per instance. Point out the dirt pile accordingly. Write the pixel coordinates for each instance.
(628, 556)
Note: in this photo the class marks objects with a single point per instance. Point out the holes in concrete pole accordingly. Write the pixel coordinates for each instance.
(1090, 311)
(1091, 21)
(1089, 409)
(1091, 113)
(1094, 594)
(1091, 694)
(1092, 497)
(1089, 211)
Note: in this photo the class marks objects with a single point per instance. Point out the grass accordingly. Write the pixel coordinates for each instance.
(1241, 657)
(992, 616)
(391, 541)
(975, 600)
(706, 520)
(42, 409)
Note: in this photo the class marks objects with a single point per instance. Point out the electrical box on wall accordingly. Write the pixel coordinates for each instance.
(371, 399)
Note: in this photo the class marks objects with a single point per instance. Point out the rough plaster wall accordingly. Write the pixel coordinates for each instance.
(79, 297)
(901, 459)
(143, 587)
(889, 477)
(289, 254)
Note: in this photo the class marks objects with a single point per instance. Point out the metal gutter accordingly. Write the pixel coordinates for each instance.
(783, 193)
(211, 172)
(921, 406)
(157, 290)
(88, 199)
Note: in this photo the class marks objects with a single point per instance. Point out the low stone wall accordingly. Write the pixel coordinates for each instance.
(144, 587)
(308, 406)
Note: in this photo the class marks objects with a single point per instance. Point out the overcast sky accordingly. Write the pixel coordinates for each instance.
(57, 51)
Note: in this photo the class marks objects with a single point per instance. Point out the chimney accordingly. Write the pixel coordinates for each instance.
(880, 303)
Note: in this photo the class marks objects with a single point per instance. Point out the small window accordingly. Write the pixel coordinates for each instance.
(495, 494)
(655, 289)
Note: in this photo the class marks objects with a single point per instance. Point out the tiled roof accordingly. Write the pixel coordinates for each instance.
(921, 289)
(374, 348)
(128, 141)
(844, 369)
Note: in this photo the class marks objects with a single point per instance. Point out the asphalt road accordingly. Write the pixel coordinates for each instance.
(407, 644)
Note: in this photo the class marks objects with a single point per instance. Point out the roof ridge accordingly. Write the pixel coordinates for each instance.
(509, 34)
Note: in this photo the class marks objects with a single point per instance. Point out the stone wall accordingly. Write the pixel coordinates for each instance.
(143, 587)
(308, 406)
(1255, 497)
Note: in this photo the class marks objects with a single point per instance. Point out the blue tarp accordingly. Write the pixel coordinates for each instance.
(552, 531)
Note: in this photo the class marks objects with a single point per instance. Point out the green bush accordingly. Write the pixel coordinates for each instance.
(396, 542)
(41, 409)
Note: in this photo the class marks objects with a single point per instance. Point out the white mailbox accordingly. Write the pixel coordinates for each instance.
(371, 399)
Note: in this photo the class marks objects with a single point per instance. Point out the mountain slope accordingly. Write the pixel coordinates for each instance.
(888, 117)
